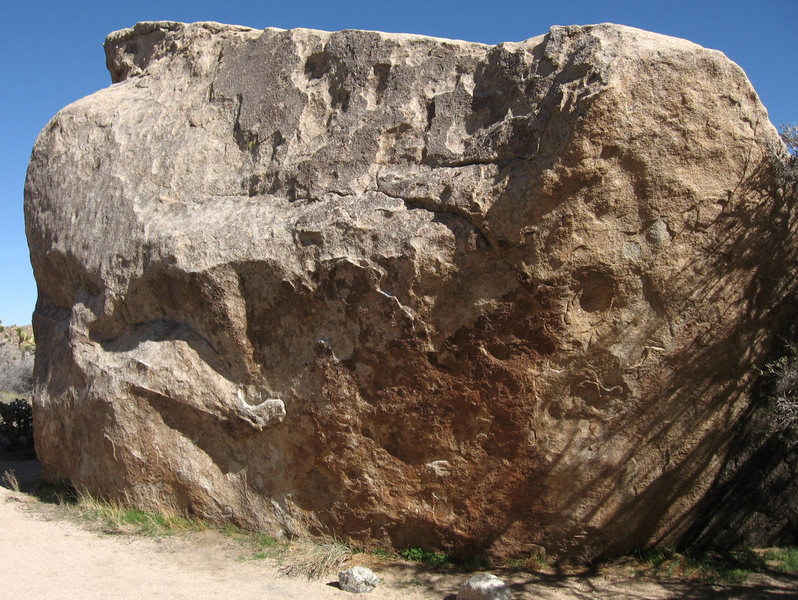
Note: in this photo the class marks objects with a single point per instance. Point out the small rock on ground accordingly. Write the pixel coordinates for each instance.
(358, 580)
(484, 586)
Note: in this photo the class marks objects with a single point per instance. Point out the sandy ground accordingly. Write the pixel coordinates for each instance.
(44, 555)
(45, 558)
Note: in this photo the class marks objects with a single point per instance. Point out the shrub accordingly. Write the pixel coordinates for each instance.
(785, 165)
(784, 375)
(433, 559)
(783, 559)
(16, 426)
(783, 372)
(16, 369)
(789, 134)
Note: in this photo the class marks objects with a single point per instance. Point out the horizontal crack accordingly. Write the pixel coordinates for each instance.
(478, 162)
(437, 207)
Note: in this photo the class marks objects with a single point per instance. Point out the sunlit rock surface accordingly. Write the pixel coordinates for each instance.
(404, 290)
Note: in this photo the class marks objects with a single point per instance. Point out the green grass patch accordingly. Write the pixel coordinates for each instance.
(729, 568)
(534, 561)
(119, 518)
(475, 562)
(232, 531)
(784, 560)
(115, 517)
(433, 559)
(263, 540)
(267, 546)
(261, 545)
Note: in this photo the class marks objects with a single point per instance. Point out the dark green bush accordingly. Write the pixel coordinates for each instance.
(433, 559)
(16, 426)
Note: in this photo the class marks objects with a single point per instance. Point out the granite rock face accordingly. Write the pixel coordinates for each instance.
(409, 291)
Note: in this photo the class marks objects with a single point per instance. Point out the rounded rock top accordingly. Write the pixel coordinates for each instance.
(484, 586)
(358, 580)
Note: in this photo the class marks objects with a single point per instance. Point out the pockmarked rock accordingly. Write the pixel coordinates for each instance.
(484, 586)
(358, 580)
(410, 292)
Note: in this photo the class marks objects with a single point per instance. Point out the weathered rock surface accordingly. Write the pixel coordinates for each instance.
(484, 586)
(358, 580)
(409, 291)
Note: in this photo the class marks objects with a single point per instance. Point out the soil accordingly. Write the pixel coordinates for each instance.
(45, 554)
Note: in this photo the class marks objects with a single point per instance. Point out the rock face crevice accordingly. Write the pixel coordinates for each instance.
(412, 291)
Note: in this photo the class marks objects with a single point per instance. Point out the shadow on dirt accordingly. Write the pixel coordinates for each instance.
(603, 582)
(22, 467)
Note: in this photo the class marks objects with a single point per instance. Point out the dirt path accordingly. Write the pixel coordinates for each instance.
(43, 559)
(43, 556)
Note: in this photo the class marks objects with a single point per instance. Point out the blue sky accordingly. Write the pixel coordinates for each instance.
(52, 54)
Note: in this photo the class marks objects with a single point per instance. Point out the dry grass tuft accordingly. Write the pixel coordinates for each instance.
(119, 517)
(9, 480)
(315, 559)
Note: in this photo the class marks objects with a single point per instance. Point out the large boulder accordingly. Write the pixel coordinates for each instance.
(404, 290)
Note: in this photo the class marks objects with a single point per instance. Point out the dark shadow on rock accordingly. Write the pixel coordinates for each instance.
(754, 500)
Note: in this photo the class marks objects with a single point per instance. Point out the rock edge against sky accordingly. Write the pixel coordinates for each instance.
(405, 290)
